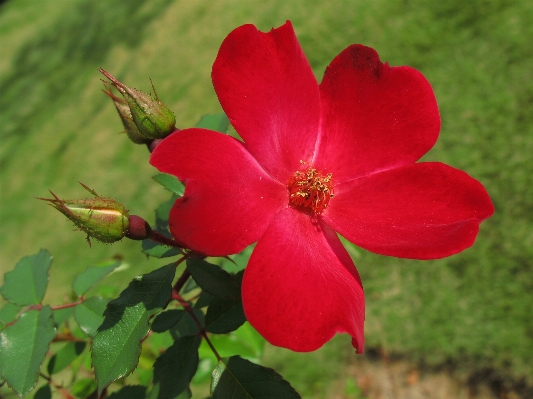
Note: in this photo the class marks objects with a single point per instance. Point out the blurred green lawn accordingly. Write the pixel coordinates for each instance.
(472, 310)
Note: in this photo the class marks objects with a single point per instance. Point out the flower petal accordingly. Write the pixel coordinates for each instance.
(229, 199)
(301, 287)
(420, 211)
(267, 89)
(374, 117)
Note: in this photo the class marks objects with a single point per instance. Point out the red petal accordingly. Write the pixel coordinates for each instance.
(267, 89)
(301, 287)
(229, 199)
(419, 211)
(374, 117)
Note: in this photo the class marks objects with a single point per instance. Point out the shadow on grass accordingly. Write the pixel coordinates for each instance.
(52, 65)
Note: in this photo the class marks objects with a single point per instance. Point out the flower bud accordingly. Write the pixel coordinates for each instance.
(104, 219)
(153, 118)
(127, 120)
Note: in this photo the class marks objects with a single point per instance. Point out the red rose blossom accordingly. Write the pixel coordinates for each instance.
(339, 157)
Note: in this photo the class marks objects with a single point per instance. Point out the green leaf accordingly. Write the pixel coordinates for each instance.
(26, 283)
(157, 250)
(167, 319)
(60, 315)
(174, 369)
(237, 378)
(187, 326)
(23, 346)
(9, 312)
(253, 340)
(216, 122)
(117, 344)
(130, 392)
(65, 356)
(204, 300)
(90, 314)
(44, 392)
(213, 279)
(82, 388)
(170, 182)
(84, 281)
(162, 211)
(189, 286)
(224, 315)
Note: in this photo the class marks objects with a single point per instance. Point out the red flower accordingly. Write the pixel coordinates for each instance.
(339, 157)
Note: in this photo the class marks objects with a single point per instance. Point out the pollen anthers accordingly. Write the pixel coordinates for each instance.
(308, 188)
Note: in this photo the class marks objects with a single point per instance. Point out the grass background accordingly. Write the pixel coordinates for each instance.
(471, 311)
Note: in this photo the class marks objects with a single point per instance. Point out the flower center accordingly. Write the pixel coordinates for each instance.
(308, 188)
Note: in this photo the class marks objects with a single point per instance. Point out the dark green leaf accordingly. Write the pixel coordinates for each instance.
(65, 356)
(130, 392)
(191, 285)
(216, 122)
(187, 325)
(224, 315)
(23, 346)
(162, 211)
(84, 281)
(237, 378)
(170, 183)
(90, 314)
(27, 282)
(9, 312)
(167, 319)
(60, 315)
(82, 388)
(157, 250)
(204, 300)
(174, 369)
(187, 394)
(44, 392)
(117, 344)
(213, 279)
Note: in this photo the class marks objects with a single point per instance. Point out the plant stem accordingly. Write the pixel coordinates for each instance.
(188, 308)
(161, 239)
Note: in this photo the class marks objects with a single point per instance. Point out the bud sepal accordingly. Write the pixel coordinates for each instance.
(152, 117)
(104, 219)
(124, 112)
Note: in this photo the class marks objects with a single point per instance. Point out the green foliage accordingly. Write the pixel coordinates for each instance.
(27, 283)
(88, 279)
(173, 370)
(237, 378)
(216, 122)
(117, 344)
(65, 356)
(23, 345)
(90, 314)
(170, 182)
(167, 365)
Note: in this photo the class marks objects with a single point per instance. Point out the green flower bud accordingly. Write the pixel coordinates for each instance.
(104, 219)
(153, 118)
(124, 112)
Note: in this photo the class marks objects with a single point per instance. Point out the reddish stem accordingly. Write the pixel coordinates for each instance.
(188, 308)
(69, 305)
(66, 394)
(161, 239)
